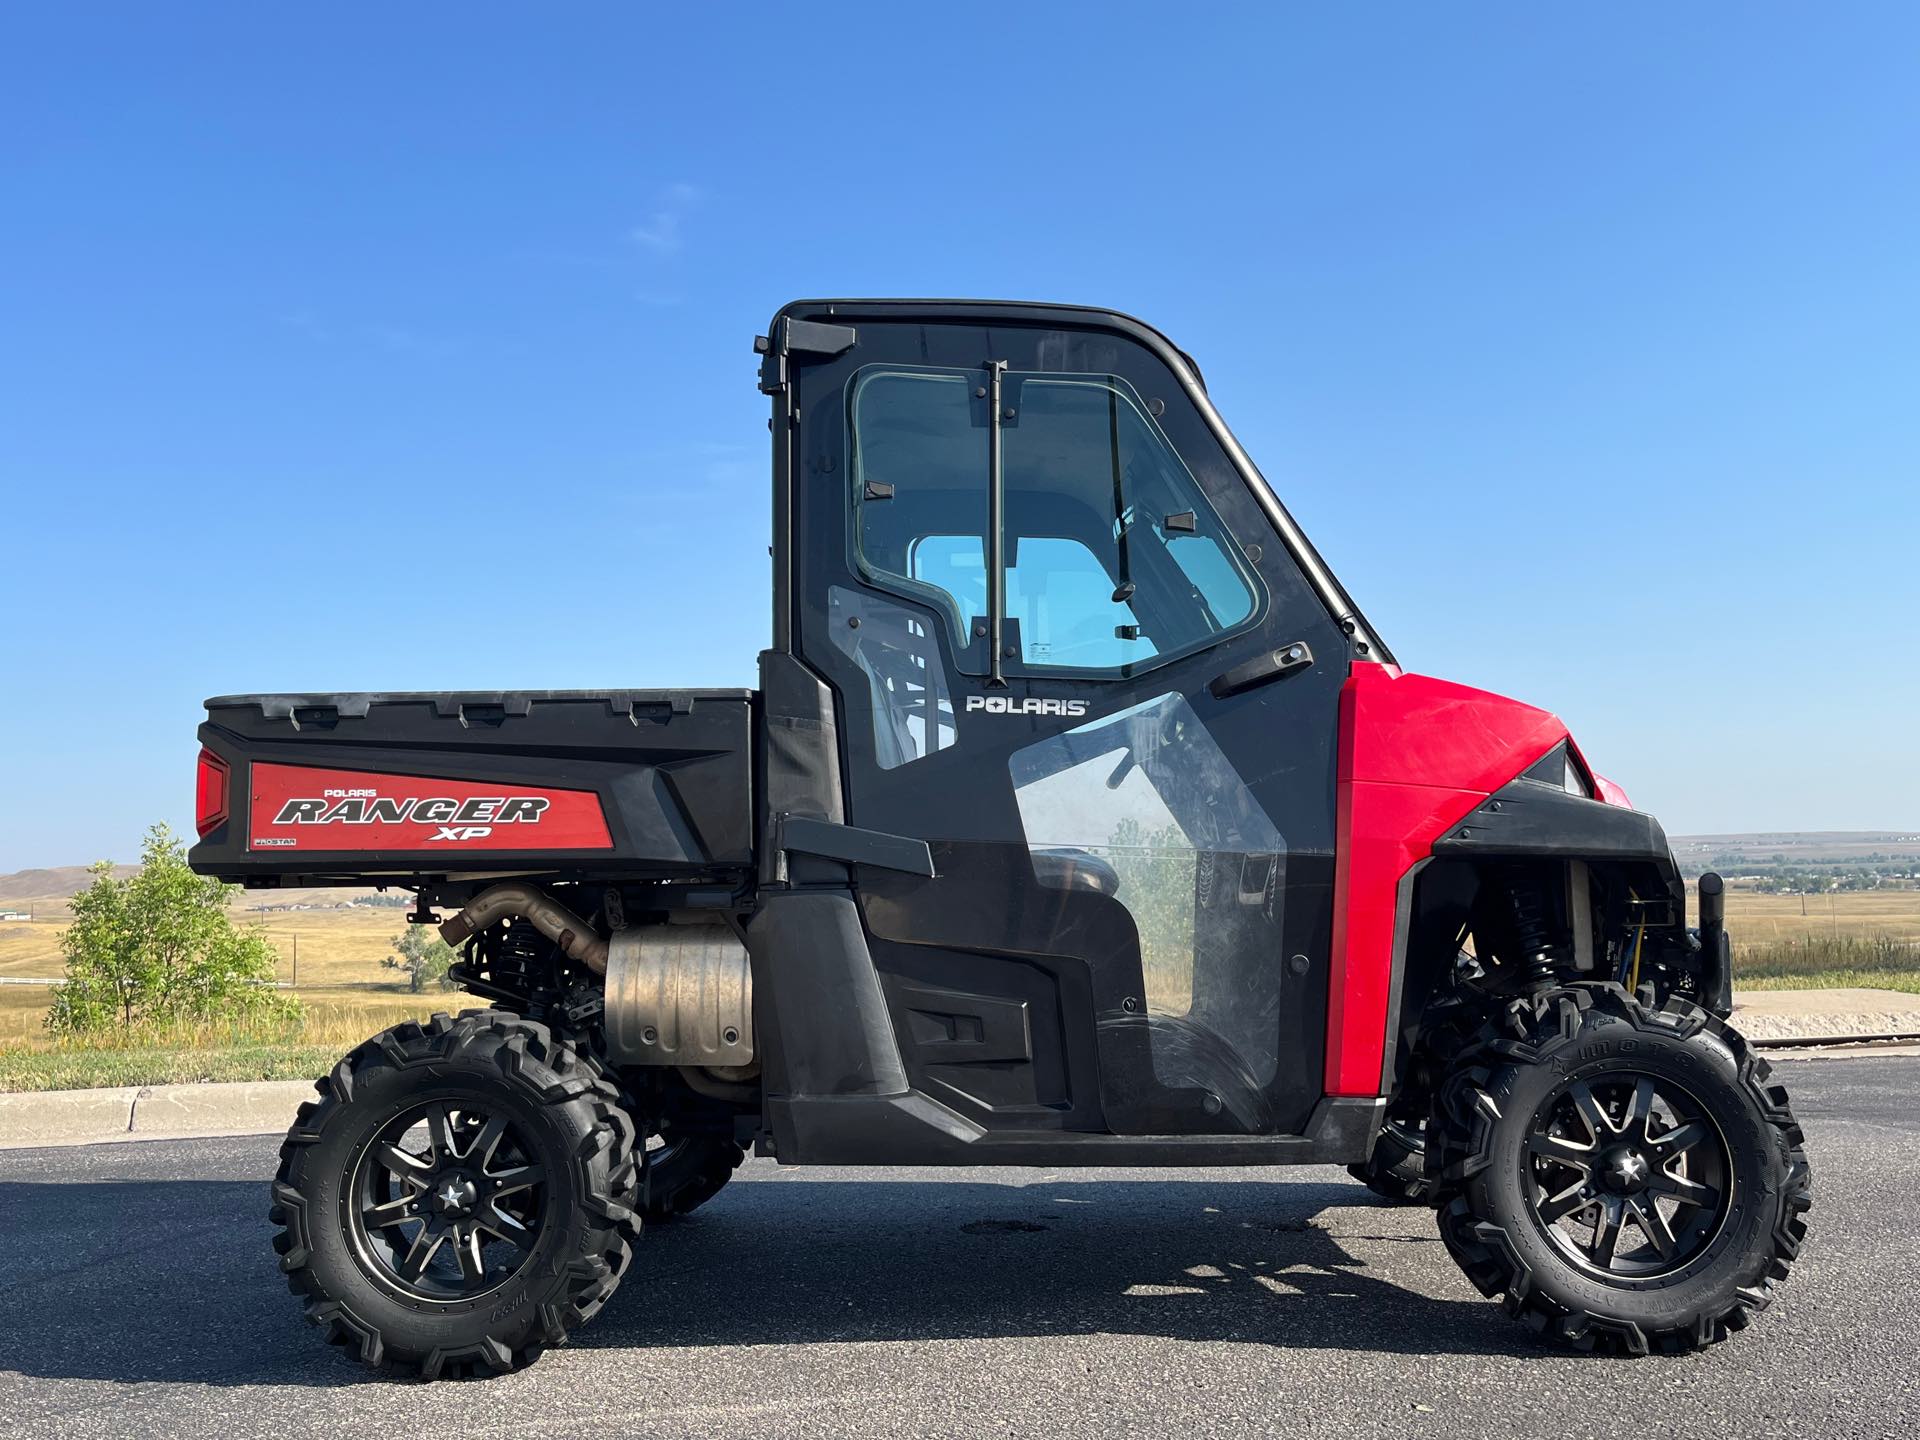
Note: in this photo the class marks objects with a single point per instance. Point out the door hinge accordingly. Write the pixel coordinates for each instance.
(797, 337)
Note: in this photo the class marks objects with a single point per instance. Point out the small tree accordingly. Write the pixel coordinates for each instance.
(159, 946)
(104, 972)
(424, 958)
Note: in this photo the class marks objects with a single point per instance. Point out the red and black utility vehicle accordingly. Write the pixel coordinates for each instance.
(1079, 818)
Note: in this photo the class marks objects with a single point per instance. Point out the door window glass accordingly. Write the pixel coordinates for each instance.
(1096, 503)
(1058, 594)
(919, 475)
(1114, 559)
(1145, 808)
(907, 691)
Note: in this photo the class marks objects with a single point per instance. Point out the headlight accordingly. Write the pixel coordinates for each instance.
(1575, 781)
(1558, 767)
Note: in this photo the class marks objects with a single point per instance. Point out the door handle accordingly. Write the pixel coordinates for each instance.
(1274, 665)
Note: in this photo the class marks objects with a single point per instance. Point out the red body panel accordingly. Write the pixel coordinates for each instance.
(303, 807)
(1610, 792)
(1416, 755)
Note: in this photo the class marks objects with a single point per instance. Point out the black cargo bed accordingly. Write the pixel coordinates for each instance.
(359, 788)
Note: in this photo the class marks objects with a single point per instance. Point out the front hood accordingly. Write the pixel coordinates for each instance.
(1402, 729)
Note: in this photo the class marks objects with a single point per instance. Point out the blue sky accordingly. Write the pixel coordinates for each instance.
(408, 346)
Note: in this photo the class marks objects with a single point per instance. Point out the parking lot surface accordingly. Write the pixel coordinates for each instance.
(138, 1295)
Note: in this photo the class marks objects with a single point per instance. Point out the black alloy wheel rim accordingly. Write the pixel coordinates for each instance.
(1411, 1133)
(447, 1202)
(664, 1149)
(1627, 1175)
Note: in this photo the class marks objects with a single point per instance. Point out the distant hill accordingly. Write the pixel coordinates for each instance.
(59, 883)
(63, 882)
(1795, 847)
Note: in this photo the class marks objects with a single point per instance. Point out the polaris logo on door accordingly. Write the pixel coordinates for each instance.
(1006, 705)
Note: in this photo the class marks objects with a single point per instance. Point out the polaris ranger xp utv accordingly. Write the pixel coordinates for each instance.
(1079, 818)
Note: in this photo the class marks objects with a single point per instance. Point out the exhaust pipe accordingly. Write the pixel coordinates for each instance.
(552, 919)
(678, 994)
(1716, 985)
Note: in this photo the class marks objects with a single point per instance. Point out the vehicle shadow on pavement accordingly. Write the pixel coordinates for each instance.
(797, 1260)
(166, 1280)
(152, 1280)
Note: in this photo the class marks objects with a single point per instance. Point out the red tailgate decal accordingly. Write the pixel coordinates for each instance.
(299, 807)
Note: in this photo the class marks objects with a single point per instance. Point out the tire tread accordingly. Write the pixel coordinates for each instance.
(555, 1074)
(1460, 1139)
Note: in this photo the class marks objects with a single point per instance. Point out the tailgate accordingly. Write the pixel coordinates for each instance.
(330, 789)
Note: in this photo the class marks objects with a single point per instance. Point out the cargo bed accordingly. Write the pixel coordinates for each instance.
(365, 788)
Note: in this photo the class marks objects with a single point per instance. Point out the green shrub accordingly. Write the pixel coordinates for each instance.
(158, 949)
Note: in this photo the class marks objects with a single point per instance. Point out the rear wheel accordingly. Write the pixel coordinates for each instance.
(685, 1170)
(454, 1201)
(1625, 1179)
(1397, 1169)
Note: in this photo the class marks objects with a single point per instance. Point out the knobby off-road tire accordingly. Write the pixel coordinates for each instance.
(511, 1143)
(1397, 1169)
(685, 1172)
(1569, 1080)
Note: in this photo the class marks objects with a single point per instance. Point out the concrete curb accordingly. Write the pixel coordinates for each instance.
(1812, 1018)
(1834, 1017)
(148, 1112)
(66, 1117)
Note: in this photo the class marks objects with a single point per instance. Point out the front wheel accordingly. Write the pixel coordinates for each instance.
(1626, 1179)
(456, 1200)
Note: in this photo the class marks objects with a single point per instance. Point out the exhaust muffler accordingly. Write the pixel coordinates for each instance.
(678, 994)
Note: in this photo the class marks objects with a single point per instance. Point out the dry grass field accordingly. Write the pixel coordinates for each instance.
(1754, 920)
(347, 994)
(344, 990)
(334, 946)
(340, 949)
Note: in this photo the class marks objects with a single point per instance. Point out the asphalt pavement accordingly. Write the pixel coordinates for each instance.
(138, 1295)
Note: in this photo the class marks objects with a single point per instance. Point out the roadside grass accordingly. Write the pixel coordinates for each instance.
(333, 1022)
(1829, 962)
(345, 992)
(23, 1070)
(1907, 980)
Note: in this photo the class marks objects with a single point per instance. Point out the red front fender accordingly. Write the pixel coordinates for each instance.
(1416, 756)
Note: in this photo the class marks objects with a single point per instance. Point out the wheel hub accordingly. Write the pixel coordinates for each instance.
(454, 1194)
(1624, 1170)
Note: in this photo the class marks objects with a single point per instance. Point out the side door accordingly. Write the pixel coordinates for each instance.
(1072, 652)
